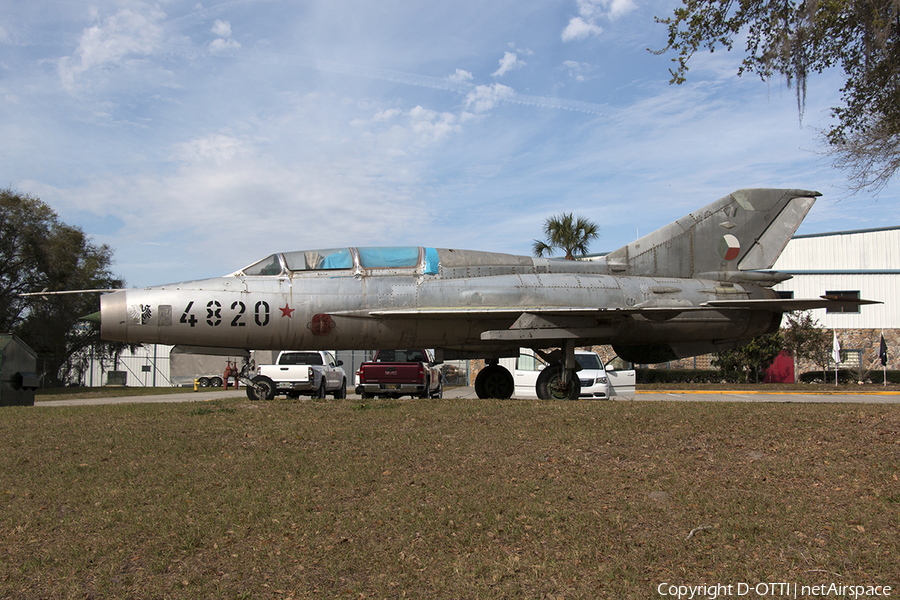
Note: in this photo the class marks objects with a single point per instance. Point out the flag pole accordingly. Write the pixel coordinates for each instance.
(835, 355)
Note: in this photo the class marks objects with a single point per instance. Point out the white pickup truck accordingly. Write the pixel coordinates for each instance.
(296, 373)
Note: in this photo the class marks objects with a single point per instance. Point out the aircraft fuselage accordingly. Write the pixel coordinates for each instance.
(468, 309)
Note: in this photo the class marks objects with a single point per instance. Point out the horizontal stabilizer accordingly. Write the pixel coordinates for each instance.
(789, 304)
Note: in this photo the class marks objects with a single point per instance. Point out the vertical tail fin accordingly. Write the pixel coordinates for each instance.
(744, 231)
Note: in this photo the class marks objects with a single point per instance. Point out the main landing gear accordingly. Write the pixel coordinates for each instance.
(559, 381)
(494, 381)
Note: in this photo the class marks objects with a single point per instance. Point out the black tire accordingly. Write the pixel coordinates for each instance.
(320, 393)
(341, 393)
(495, 381)
(203, 382)
(266, 389)
(424, 394)
(440, 391)
(549, 385)
(215, 382)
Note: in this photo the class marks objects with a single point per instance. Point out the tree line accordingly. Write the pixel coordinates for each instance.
(801, 337)
(38, 252)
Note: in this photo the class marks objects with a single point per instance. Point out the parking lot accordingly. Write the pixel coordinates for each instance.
(468, 392)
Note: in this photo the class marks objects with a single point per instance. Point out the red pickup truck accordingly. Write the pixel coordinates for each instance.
(396, 373)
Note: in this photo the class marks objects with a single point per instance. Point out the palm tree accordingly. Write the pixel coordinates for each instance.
(565, 232)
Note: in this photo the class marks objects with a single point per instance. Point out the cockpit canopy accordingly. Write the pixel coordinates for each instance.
(401, 257)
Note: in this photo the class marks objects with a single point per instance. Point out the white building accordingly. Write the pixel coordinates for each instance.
(860, 264)
(147, 366)
(856, 264)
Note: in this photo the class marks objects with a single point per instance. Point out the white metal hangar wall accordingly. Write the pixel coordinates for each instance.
(864, 263)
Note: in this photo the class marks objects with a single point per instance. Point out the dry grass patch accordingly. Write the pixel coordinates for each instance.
(445, 498)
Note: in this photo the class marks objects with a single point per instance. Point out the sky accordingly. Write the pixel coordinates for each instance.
(194, 138)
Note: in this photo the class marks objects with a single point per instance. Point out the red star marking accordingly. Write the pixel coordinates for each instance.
(286, 311)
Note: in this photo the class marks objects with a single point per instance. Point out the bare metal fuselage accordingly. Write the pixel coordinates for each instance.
(696, 285)
(475, 304)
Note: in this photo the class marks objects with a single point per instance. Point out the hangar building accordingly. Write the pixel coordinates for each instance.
(858, 264)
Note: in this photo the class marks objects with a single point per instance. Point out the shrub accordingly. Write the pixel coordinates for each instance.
(678, 375)
(849, 376)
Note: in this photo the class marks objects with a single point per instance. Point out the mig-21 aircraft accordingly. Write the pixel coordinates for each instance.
(696, 286)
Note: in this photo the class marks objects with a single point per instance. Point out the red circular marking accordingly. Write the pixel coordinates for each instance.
(321, 324)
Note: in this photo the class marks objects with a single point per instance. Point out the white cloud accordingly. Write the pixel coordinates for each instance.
(224, 43)
(592, 10)
(579, 29)
(192, 217)
(431, 126)
(217, 148)
(617, 8)
(589, 12)
(387, 115)
(578, 71)
(421, 127)
(222, 46)
(460, 76)
(485, 97)
(222, 28)
(114, 41)
(509, 62)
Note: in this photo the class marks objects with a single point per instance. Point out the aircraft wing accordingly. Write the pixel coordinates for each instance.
(488, 311)
(773, 304)
(553, 323)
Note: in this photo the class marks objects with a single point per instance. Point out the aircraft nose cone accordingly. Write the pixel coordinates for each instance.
(113, 317)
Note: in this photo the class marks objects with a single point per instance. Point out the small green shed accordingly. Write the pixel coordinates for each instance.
(18, 377)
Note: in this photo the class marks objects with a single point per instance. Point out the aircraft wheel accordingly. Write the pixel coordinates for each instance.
(266, 389)
(495, 381)
(549, 385)
(342, 391)
(203, 382)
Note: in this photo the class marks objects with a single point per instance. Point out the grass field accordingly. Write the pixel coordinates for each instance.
(444, 498)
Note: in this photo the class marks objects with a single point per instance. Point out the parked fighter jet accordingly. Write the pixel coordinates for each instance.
(696, 286)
